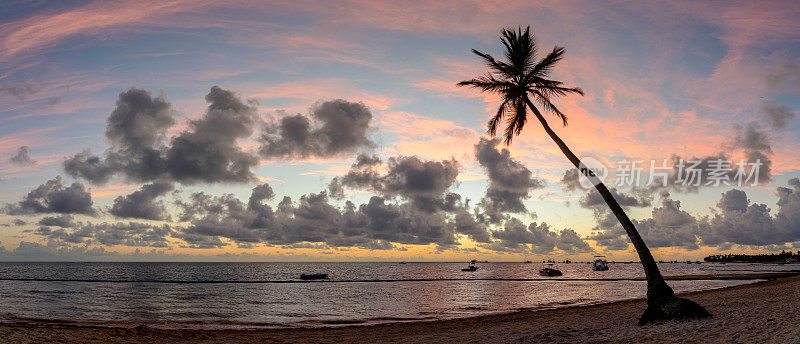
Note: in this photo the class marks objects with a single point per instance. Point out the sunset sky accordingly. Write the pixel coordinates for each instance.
(174, 115)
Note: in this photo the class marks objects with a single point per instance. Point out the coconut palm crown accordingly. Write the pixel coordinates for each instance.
(522, 78)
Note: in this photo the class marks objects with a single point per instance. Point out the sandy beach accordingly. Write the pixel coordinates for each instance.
(764, 312)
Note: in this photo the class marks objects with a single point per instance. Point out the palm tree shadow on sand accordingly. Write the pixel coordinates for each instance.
(522, 77)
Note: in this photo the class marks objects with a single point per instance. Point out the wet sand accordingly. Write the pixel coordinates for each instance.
(764, 312)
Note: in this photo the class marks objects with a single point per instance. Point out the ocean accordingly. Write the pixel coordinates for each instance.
(269, 295)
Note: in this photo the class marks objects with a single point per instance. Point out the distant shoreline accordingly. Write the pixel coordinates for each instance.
(739, 316)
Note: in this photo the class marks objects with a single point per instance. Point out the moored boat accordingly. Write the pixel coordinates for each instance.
(550, 270)
(600, 264)
(471, 266)
(313, 276)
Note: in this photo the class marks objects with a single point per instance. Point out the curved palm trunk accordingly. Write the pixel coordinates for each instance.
(658, 292)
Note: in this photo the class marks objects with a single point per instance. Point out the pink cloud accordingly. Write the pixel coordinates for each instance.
(428, 137)
(43, 30)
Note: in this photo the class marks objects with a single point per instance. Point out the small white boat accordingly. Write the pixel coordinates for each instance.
(600, 264)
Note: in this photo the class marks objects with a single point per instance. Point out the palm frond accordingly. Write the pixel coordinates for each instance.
(549, 106)
(556, 91)
(501, 112)
(520, 48)
(487, 83)
(546, 65)
(517, 122)
(498, 67)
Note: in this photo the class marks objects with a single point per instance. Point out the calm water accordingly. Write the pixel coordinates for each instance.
(214, 295)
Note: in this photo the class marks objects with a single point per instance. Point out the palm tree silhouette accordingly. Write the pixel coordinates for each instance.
(521, 78)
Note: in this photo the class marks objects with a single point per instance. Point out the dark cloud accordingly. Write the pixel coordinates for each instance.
(778, 115)
(31, 251)
(54, 197)
(64, 236)
(207, 152)
(608, 232)
(410, 177)
(313, 219)
(570, 242)
(736, 221)
(466, 224)
(64, 220)
(405, 224)
(135, 129)
(741, 222)
(510, 182)
(15, 222)
(22, 157)
(423, 182)
(364, 172)
(613, 239)
(571, 180)
(125, 234)
(260, 194)
(593, 199)
(516, 237)
(334, 128)
(733, 200)
(669, 226)
(139, 122)
(89, 167)
(535, 239)
(336, 189)
(755, 143)
(142, 204)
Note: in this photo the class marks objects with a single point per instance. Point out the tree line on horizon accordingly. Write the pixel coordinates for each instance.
(782, 257)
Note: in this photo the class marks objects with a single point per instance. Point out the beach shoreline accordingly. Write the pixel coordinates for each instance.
(738, 317)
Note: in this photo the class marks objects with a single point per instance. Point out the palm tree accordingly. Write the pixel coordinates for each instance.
(522, 78)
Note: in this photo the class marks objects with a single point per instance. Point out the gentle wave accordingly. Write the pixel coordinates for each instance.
(10, 318)
(555, 279)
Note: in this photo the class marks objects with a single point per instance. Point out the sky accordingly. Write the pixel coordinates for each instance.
(334, 131)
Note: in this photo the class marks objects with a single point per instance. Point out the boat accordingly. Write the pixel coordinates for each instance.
(527, 262)
(313, 276)
(402, 262)
(471, 266)
(550, 270)
(600, 264)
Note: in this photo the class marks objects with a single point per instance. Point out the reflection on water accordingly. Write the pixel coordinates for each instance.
(221, 304)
